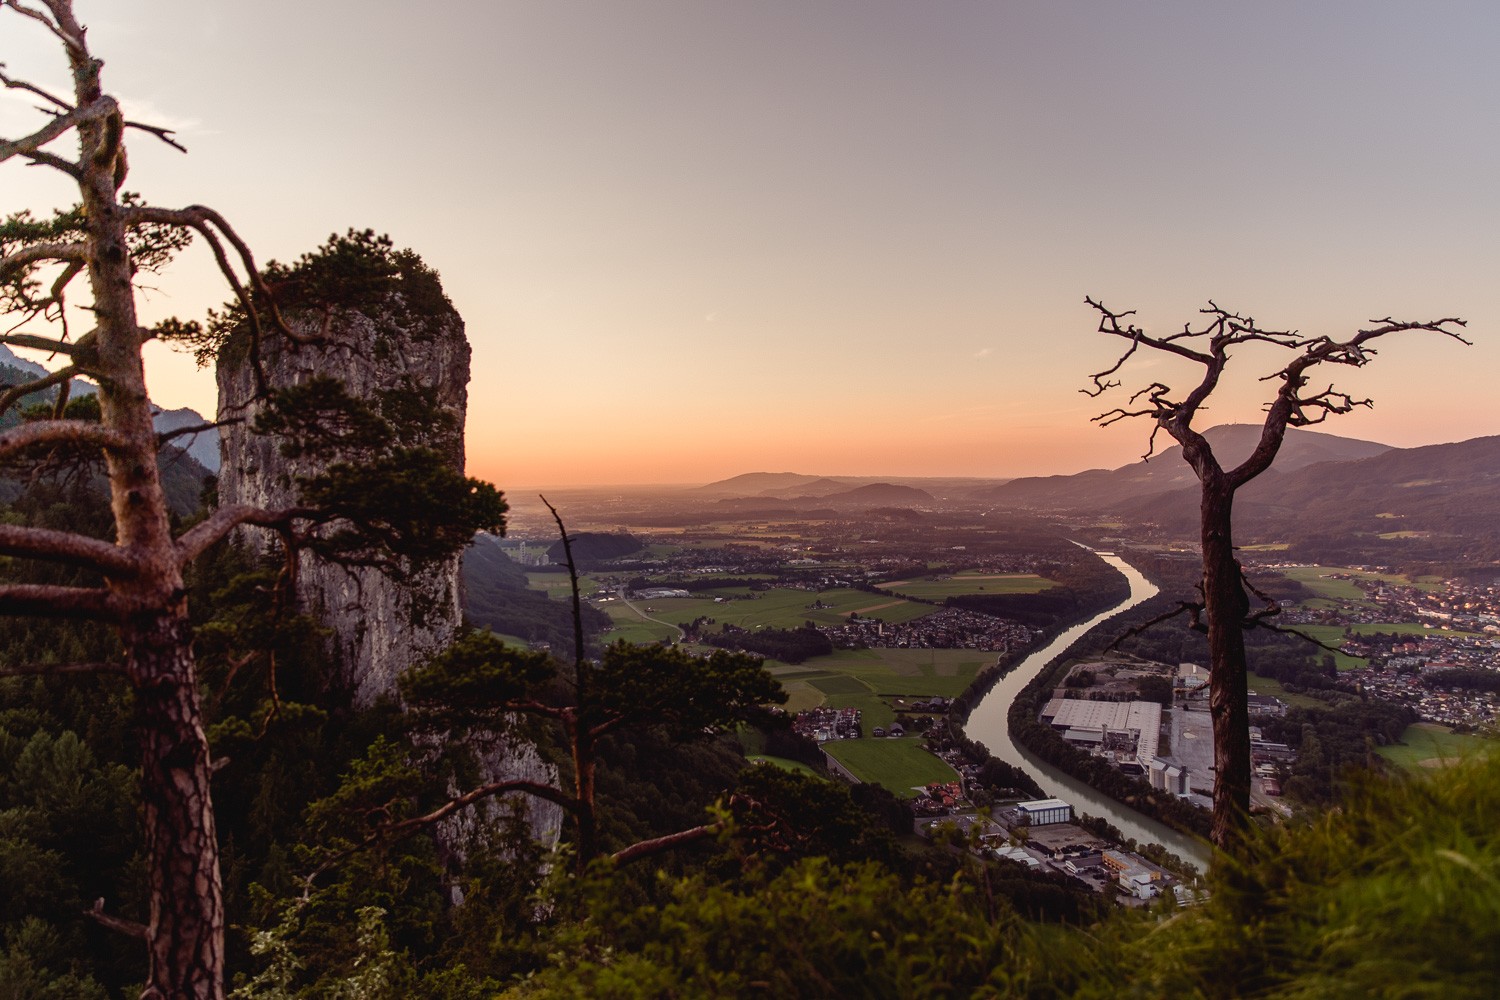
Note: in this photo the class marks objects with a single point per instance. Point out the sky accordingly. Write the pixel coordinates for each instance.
(837, 237)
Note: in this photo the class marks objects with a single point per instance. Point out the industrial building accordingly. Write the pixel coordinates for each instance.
(1121, 726)
(1041, 812)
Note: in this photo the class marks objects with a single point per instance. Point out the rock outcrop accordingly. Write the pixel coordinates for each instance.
(402, 338)
(380, 625)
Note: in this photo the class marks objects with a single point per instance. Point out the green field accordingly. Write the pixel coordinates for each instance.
(1408, 628)
(971, 583)
(513, 640)
(863, 678)
(1427, 745)
(782, 762)
(900, 765)
(1317, 580)
(1333, 635)
(1267, 686)
(558, 586)
(786, 608)
(632, 627)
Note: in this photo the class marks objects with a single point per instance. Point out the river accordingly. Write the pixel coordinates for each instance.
(989, 723)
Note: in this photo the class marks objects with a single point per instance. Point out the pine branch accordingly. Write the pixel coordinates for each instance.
(67, 548)
(50, 669)
(45, 601)
(127, 927)
(205, 534)
(16, 393)
(74, 432)
(657, 845)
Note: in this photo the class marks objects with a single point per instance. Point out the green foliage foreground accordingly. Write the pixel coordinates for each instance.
(1395, 895)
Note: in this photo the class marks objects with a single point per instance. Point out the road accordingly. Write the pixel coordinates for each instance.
(645, 617)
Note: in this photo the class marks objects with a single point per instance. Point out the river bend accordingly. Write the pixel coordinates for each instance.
(989, 723)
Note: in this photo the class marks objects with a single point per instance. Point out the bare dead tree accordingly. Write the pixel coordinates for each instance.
(106, 239)
(1223, 610)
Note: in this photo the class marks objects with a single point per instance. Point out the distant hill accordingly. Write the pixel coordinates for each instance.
(496, 597)
(757, 484)
(10, 359)
(1101, 489)
(880, 495)
(1442, 501)
(182, 472)
(203, 446)
(816, 488)
(1438, 503)
(761, 487)
(590, 548)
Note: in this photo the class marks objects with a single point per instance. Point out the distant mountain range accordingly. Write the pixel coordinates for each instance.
(203, 446)
(838, 496)
(1326, 496)
(1100, 489)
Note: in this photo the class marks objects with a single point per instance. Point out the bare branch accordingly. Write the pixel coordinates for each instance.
(580, 667)
(74, 432)
(210, 425)
(453, 805)
(101, 109)
(127, 927)
(215, 232)
(49, 669)
(657, 845)
(11, 83)
(64, 27)
(44, 601)
(1288, 630)
(67, 548)
(164, 134)
(1193, 608)
(37, 343)
(42, 253)
(11, 396)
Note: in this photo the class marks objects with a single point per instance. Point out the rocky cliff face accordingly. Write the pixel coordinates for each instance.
(381, 625)
(385, 343)
(395, 333)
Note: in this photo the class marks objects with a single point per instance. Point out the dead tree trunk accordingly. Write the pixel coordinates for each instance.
(1225, 605)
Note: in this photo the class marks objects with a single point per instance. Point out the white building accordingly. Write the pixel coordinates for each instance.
(1090, 722)
(1041, 812)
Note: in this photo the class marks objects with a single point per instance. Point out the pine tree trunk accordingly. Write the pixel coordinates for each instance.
(1225, 607)
(185, 937)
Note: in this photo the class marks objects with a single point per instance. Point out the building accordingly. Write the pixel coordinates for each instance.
(1041, 812)
(1169, 776)
(1120, 726)
(1135, 875)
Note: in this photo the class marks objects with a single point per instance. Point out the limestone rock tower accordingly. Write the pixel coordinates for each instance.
(380, 625)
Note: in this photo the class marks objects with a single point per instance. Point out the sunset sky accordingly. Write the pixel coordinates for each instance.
(694, 239)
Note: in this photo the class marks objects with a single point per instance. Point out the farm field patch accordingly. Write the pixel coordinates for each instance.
(901, 765)
(971, 583)
(784, 608)
(1427, 745)
(785, 763)
(1332, 635)
(558, 587)
(1267, 686)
